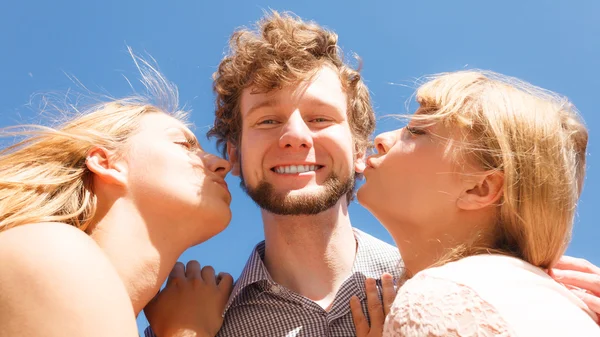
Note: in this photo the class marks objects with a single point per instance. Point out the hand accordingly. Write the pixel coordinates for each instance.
(191, 304)
(582, 278)
(377, 310)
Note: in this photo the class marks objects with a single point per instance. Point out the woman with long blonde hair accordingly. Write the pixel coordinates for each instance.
(95, 212)
(479, 192)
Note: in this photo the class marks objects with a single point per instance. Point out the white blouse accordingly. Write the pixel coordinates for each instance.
(488, 295)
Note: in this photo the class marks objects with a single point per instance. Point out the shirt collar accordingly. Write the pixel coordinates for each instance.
(364, 265)
(254, 271)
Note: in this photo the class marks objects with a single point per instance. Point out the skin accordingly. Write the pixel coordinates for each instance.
(162, 179)
(303, 124)
(417, 163)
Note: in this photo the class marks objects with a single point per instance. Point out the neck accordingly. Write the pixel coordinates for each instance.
(142, 259)
(424, 244)
(311, 255)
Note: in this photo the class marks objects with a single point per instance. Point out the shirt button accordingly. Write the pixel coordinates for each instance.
(275, 289)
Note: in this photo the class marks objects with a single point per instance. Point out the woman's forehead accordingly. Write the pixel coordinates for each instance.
(162, 121)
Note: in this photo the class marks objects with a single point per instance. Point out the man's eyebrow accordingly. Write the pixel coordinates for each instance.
(267, 103)
(321, 103)
(308, 101)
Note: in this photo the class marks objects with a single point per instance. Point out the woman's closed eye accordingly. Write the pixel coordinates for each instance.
(188, 143)
(414, 131)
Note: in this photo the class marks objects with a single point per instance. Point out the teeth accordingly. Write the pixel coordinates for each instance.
(293, 169)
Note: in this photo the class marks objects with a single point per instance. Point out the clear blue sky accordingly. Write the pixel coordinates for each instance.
(553, 44)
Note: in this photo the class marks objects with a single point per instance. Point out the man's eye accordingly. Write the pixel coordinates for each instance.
(320, 120)
(267, 122)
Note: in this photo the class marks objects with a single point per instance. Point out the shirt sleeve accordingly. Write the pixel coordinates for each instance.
(149, 333)
(428, 306)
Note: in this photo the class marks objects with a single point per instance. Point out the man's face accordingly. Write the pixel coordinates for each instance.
(296, 150)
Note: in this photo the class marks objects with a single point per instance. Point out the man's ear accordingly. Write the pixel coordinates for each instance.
(106, 166)
(360, 161)
(483, 190)
(232, 154)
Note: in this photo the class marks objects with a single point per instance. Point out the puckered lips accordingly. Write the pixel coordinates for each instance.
(223, 184)
(372, 162)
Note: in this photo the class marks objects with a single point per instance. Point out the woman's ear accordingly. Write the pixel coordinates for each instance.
(484, 190)
(106, 166)
(233, 155)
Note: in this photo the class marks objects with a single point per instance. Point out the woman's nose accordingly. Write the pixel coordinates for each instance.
(384, 141)
(217, 164)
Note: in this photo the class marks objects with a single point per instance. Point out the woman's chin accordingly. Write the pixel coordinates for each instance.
(365, 197)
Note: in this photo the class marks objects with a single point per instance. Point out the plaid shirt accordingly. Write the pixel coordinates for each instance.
(259, 307)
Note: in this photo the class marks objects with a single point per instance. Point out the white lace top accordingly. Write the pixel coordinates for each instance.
(488, 295)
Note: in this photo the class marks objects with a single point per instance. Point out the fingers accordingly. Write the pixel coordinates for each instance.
(208, 275)
(225, 283)
(192, 270)
(593, 302)
(585, 281)
(576, 264)
(178, 271)
(360, 321)
(375, 307)
(388, 292)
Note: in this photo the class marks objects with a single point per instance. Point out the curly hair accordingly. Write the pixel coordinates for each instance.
(284, 50)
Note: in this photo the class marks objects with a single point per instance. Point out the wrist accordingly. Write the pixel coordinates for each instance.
(187, 333)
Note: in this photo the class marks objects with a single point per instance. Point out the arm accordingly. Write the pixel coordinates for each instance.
(55, 281)
(191, 304)
(582, 278)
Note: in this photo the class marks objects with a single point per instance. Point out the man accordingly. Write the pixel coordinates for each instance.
(295, 122)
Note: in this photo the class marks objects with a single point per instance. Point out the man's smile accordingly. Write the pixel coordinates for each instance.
(295, 169)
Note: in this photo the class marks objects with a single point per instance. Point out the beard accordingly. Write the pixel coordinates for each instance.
(266, 198)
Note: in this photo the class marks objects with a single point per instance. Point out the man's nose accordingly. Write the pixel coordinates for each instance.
(295, 133)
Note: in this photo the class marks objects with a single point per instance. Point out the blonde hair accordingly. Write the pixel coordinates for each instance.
(534, 137)
(44, 178)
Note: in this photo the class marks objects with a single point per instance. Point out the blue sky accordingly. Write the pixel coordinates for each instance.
(553, 44)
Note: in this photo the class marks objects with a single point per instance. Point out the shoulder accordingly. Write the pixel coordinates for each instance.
(44, 266)
(51, 245)
(488, 271)
(51, 255)
(44, 242)
(431, 306)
